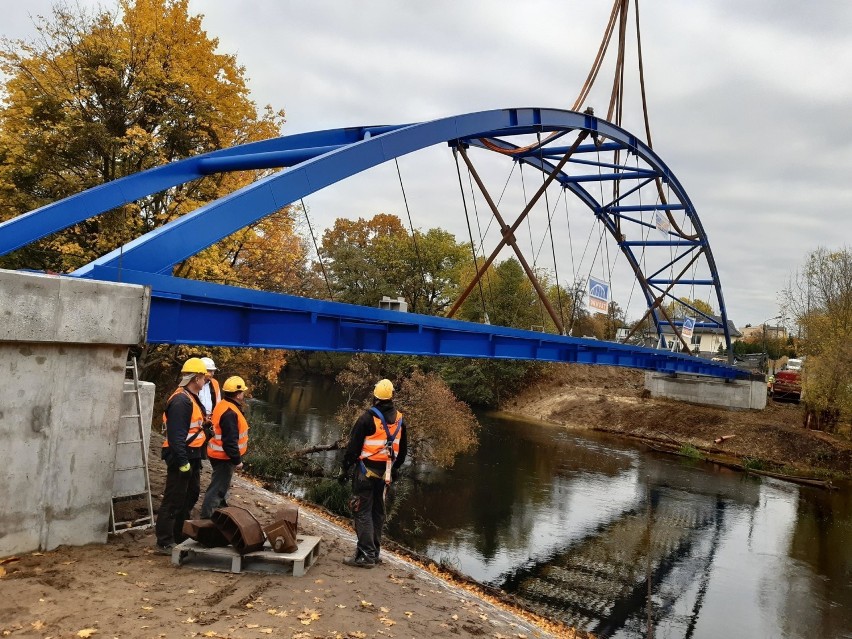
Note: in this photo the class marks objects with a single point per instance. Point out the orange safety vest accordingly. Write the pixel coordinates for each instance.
(376, 445)
(196, 421)
(215, 450)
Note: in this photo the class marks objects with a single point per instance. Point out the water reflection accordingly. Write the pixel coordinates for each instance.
(625, 543)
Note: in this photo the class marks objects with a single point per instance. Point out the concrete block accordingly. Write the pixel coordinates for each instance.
(63, 349)
(50, 308)
(696, 389)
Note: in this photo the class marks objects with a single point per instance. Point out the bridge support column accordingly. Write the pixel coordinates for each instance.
(63, 350)
(697, 389)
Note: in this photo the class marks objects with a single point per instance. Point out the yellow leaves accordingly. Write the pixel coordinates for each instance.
(408, 614)
(307, 616)
(357, 634)
(366, 604)
(38, 625)
(385, 610)
(387, 622)
(2, 572)
(87, 632)
(209, 633)
(121, 574)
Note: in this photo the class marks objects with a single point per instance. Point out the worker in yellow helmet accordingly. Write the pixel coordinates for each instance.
(183, 450)
(377, 449)
(228, 446)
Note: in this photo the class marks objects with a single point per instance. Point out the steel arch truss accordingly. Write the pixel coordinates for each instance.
(313, 161)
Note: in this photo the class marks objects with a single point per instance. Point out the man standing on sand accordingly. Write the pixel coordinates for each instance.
(183, 451)
(228, 446)
(377, 447)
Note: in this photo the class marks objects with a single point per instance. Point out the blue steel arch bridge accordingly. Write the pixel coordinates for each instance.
(644, 210)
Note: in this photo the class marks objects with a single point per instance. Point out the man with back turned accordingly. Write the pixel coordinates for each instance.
(377, 448)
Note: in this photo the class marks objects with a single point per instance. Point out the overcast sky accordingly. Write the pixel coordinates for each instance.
(750, 103)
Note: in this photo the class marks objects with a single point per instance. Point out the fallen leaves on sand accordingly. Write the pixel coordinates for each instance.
(37, 625)
(387, 622)
(366, 604)
(356, 634)
(408, 613)
(121, 574)
(385, 610)
(2, 572)
(87, 632)
(307, 616)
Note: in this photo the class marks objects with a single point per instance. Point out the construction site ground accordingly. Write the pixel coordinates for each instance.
(124, 589)
(614, 400)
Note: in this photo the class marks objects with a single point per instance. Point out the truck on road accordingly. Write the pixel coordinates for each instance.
(787, 384)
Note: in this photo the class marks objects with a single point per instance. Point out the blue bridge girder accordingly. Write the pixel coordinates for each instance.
(202, 313)
(316, 160)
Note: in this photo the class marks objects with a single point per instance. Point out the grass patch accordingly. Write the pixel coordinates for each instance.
(690, 451)
(753, 463)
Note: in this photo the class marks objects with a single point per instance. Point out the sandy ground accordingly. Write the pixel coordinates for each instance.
(613, 400)
(125, 589)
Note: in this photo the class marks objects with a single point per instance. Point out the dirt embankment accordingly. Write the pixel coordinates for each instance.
(613, 400)
(123, 589)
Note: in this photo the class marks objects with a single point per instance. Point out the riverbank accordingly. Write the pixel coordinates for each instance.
(613, 400)
(124, 589)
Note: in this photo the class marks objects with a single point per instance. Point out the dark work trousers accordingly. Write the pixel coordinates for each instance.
(369, 516)
(179, 497)
(217, 491)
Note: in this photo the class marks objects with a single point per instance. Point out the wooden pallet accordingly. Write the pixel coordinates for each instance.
(194, 555)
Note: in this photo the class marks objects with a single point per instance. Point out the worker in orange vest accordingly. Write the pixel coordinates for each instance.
(377, 448)
(183, 450)
(228, 446)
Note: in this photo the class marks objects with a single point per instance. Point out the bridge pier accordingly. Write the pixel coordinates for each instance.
(699, 389)
(63, 350)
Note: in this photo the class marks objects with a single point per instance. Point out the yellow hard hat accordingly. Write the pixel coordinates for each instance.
(234, 384)
(384, 389)
(194, 365)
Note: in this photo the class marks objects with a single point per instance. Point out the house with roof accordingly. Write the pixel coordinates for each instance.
(707, 337)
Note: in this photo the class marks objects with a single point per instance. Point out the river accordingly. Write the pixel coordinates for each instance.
(609, 537)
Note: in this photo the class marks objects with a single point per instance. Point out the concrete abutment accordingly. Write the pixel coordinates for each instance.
(698, 389)
(63, 349)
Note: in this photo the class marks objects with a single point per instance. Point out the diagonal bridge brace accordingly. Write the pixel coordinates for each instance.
(509, 232)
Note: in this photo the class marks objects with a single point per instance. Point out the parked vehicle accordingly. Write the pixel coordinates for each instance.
(787, 384)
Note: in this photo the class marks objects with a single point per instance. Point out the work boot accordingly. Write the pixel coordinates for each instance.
(359, 561)
(164, 550)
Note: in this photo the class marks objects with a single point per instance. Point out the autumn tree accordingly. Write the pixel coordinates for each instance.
(819, 299)
(99, 96)
(369, 259)
(681, 308)
(440, 427)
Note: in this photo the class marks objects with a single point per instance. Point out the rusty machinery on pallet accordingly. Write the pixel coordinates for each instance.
(237, 527)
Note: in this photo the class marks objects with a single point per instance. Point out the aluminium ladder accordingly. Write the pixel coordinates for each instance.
(148, 520)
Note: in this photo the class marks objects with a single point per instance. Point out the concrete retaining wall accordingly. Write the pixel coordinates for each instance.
(697, 389)
(63, 349)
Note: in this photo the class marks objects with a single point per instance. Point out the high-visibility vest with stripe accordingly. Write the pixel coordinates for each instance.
(376, 445)
(196, 421)
(215, 450)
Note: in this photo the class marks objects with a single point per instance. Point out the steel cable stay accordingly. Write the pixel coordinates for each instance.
(550, 232)
(316, 248)
(470, 234)
(480, 235)
(529, 231)
(413, 233)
